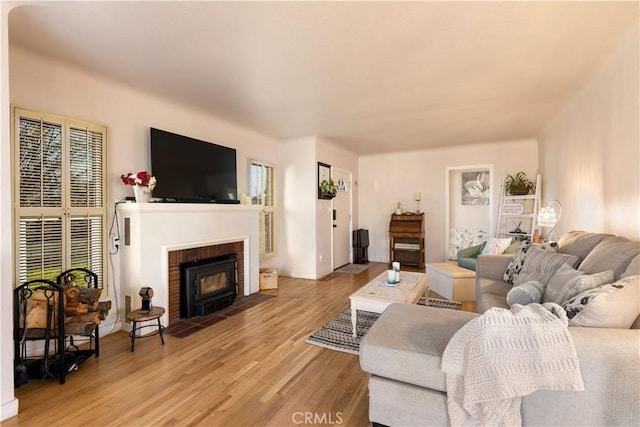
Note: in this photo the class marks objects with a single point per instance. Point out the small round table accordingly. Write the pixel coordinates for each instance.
(137, 316)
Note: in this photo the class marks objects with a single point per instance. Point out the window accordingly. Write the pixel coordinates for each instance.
(59, 195)
(262, 192)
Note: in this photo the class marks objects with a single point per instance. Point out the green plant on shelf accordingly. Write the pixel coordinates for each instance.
(519, 185)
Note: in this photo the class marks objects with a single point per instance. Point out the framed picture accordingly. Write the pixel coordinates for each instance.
(475, 188)
(324, 174)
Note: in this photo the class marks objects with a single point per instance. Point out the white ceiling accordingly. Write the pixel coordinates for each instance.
(373, 76)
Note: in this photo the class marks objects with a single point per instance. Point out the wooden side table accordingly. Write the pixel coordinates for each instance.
(137, 316)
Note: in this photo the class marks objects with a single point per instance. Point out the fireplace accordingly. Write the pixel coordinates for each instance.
(207, 285)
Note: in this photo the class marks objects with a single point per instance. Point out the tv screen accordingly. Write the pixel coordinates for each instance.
(190, 170)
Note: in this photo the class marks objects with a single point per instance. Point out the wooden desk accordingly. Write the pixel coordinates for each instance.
(406, 239)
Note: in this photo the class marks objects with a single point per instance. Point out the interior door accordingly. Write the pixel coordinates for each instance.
(341, 218)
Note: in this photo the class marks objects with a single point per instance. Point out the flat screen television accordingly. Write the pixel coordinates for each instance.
(189, 170)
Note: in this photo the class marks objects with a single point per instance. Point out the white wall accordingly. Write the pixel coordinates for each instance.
(297, 213)
(8, 402)
(328, 152)
(44, 84)
(386, 179)
(590, 154)
(305, 224)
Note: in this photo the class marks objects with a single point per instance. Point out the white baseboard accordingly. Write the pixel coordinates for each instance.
(9, 409)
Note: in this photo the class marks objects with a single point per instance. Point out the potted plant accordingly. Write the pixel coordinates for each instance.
(519, 185)
(328, 189)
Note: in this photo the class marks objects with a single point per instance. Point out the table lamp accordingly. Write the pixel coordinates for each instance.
(548, 216)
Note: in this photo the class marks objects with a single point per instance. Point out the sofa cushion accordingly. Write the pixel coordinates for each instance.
(495, 246)
(579, 243)
(540, 265)
(614, 305)
(407, 341)
(568, 282)
(494, 287)
(526, 293)
(634, 267)
(612, 253)
(487, 301)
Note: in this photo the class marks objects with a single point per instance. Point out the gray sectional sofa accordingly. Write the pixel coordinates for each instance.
(403, 350)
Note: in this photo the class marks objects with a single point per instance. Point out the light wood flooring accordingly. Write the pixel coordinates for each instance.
(251, 369)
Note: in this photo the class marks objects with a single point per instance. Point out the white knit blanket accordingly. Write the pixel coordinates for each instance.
(497, 358)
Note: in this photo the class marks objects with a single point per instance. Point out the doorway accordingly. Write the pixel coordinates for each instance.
(468, 207)
(342, 218)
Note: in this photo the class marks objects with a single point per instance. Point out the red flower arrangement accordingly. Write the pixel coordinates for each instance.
(142, 178)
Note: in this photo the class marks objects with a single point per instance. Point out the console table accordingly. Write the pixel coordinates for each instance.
(406, 239)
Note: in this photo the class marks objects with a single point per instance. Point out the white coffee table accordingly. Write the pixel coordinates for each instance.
(377, 295)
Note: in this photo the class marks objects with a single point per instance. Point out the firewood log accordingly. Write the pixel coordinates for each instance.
(90, 295)
(101, 306)
(83, 318)
(72, 293)
(76, 309)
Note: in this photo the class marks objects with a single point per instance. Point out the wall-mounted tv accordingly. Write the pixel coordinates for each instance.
(189, 170)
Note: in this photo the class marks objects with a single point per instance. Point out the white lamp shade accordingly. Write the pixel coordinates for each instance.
(547, 217)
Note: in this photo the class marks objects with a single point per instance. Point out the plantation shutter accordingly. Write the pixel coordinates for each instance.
(262, 192)
(60, 194)
(40, 248)
(40, 163)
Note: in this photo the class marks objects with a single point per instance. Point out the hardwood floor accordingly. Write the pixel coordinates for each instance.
(251, 369)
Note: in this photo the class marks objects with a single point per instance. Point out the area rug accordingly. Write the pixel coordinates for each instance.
(352, 268)
(338, 333)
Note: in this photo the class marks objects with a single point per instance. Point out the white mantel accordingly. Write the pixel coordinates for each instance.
(154, 229)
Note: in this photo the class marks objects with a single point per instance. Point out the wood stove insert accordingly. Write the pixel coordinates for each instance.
(207, 285)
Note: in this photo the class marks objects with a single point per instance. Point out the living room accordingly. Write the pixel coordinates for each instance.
(587, 153)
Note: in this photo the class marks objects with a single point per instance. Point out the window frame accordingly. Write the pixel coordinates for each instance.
(68, 211)
(266, 208)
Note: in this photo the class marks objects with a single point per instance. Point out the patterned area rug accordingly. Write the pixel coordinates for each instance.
(352, 268)
(337, 334)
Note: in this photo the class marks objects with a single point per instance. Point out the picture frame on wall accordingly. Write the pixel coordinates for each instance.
(324, 174)
(475, 187)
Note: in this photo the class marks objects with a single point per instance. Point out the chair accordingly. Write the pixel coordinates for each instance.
(468, 257)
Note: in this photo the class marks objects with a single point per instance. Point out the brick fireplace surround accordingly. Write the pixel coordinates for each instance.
(195, 254)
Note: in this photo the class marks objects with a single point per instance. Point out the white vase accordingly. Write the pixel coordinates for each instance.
(142, 193)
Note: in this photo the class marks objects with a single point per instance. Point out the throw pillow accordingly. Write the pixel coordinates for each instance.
(495, 246)
(615, 305)
(563, 275)
(582, 283)
(513, 247)
(526, 293)
(540, 265)
(515, 264)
